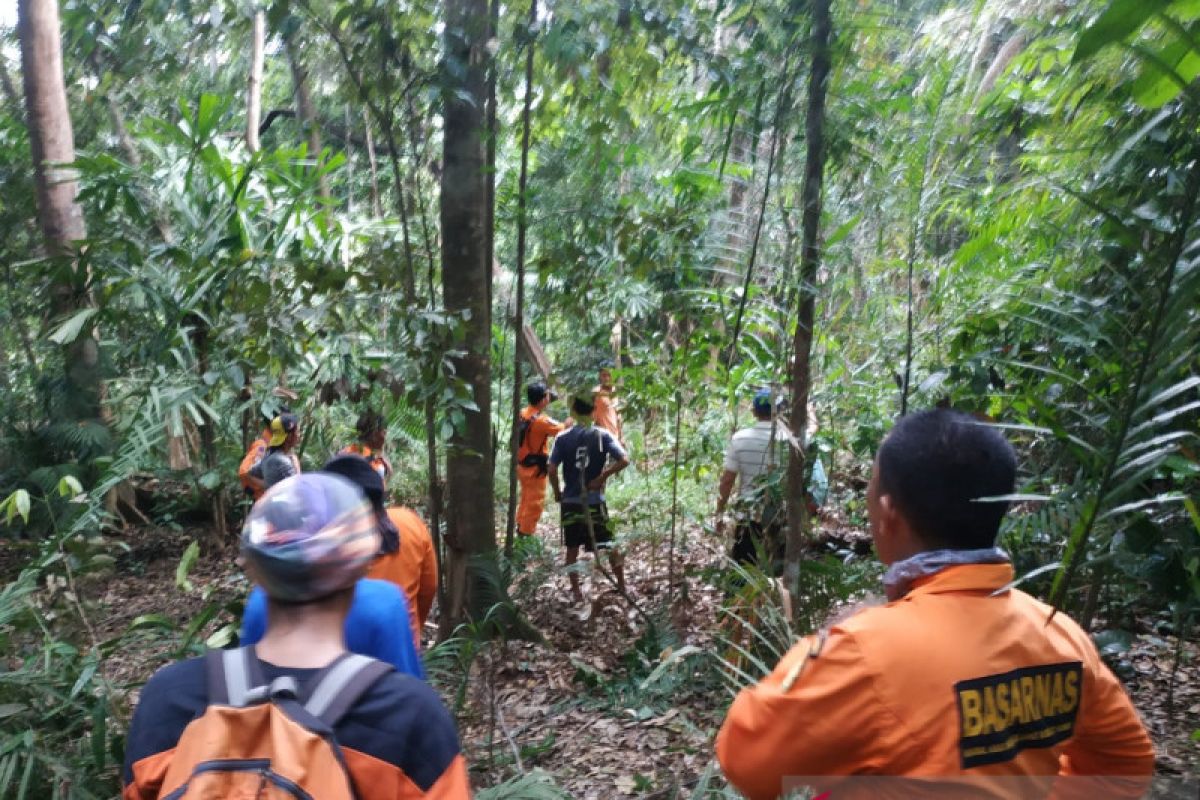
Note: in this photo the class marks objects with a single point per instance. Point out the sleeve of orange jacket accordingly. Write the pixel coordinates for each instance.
(816, 714)
(429, 580)
(546, 427)
(1109, 740)
(253, 454)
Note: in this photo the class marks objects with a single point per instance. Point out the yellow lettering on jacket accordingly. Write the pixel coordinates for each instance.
(972, 717)
(1071, 690)
(990, 721)
(1042, 693)
(1056, 697)
(1027, 699)
(1002, 715)
(1016, 706)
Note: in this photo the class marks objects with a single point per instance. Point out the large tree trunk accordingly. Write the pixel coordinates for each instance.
(306, 112)
(470, 531)
(471, 571)
(810, 194)
(53, 144)
(258, 41)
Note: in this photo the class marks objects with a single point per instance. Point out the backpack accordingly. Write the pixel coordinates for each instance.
(265, 741)
(539, 460)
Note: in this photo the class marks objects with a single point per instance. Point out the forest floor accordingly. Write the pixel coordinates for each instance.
(587, 706)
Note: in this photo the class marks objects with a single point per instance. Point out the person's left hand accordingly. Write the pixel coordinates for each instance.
(596, 484)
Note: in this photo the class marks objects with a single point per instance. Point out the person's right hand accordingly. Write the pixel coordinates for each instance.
(720, 527)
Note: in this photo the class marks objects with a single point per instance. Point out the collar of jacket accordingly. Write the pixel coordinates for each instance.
(939, 571)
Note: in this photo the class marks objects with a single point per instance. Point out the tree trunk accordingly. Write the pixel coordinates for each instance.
(305, 111)
(376, 207)
(52, 143)
(810, 195)
(472, 571)
(219, 534)
(519, 310)
(258, 40)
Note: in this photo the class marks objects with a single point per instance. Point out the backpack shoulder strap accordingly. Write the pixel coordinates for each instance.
(231, 675)
(341, 684)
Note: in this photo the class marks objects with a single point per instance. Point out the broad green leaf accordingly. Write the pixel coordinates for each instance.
(1120, 20)
(1162, 79)
(19, 505)
(186, 563)
(69, 486)
(69, 331)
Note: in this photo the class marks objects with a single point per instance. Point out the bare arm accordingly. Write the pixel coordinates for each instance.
(597, 483)
(724, 489)
(554, 485)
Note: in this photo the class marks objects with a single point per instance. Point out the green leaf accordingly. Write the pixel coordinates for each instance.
(18, 503)
(185, 566)
(69, 331)
(1121, 19)
(11, 709)
(222, 637)
(70, 486)
(151, 621)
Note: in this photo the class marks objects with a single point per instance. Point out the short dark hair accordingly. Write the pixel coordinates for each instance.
(369, 422)
(535, 393)
(936, 465)
(582, 405)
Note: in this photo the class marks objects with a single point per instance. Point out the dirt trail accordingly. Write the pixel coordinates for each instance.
(568, 706)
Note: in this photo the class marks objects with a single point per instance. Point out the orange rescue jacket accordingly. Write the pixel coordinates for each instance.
(957, 680)
(605, 413)
(537, 437)
(413, 567)
(379, 461)
(254, 454)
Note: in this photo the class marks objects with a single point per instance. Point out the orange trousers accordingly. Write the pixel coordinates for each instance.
(533, 500)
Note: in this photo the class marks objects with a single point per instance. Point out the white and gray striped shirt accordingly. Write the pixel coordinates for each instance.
(749, 453)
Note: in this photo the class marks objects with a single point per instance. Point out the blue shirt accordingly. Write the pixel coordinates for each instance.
(585, 448)
(377, 625)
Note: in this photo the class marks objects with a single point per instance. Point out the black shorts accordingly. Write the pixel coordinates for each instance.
(575, 528)
(751, 537)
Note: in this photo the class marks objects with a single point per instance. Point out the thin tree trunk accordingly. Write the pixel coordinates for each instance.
(52, 143)
(376, 206)
(519, 311)
(781, 103)
(810, 256)
(208, 435)
(305, 111)
(409, 277)
(258, 40)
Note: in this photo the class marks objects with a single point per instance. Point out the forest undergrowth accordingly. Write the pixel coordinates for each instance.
(608, 705)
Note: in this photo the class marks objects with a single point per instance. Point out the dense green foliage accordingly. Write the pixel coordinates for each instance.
(1009, 227)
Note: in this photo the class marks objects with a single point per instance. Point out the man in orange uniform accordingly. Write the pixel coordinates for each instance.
(252, 486)
(406, 557)
(372, 436)
(533, 453)
(960, 685)
(605, 414)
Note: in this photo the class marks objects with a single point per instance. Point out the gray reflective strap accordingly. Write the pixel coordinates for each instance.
(237, 676)
(283, 688)
(334, 682)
